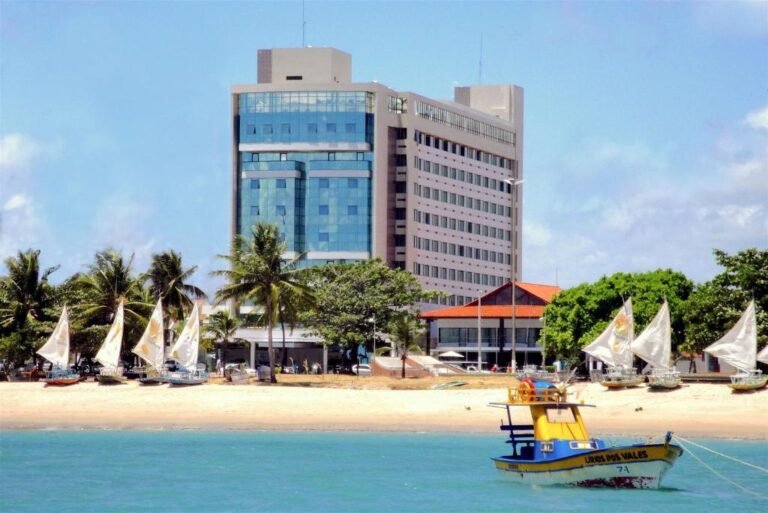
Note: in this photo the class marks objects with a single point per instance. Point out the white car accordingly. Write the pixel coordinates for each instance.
(361, 370)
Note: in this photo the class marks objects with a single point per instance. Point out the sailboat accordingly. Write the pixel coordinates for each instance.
(654, 345)
(109, 352)
(613, 348)
(762, 356)
(151, 348)
(56, 351)
(738, 348)
(185, 352)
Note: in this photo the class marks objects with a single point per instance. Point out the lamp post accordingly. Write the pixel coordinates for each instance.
(513, 182)
(373, 320)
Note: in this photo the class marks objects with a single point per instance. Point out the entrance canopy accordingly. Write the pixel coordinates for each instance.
(451, 354)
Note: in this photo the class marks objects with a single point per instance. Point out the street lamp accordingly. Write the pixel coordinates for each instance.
(513, 182)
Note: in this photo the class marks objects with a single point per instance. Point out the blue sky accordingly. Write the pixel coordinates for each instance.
(646, 123)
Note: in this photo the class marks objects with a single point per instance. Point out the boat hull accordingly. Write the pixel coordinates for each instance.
(622, 383)
(62, 382)
(664, 381)
(749, 384)
(110, 379)
(640, 466)
(187, 378)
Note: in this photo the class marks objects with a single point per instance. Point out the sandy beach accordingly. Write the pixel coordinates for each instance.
(363, 404)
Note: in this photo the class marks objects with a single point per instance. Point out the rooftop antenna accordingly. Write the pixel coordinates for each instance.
(303, 27)
(480, 64)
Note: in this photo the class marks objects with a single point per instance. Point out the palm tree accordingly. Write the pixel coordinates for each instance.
(25, 293)
(168, 280)
(259, 273)
(405, 329)
(109, 281)
(222, 326)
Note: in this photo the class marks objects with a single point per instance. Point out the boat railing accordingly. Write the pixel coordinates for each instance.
(526, 394)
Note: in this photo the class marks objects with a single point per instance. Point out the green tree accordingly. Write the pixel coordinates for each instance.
(715, 306)
(577, 315)
(25, 295)
(348, 295)
(168, 279)
(110, 280)
(221, 327)
(406, 331)
(259, 273)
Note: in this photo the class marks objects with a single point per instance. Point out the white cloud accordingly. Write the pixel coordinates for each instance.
(18, 150)
(16, 201)
(636, 222)
(758, 119)
(122, 223)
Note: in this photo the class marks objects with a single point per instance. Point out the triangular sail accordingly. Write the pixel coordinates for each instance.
(56, 350)
(612, 347)
(109, 352)
(762, 356)
(186, 347)
(151, 345)
(654, 345)
(739, 346)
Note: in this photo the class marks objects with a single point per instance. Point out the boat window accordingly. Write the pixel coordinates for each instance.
(583, 445)
(560, 415)
(547, 447)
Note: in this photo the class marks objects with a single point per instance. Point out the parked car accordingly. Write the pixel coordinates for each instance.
(361, 370)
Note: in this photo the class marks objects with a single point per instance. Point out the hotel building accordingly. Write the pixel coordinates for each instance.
(351, 171)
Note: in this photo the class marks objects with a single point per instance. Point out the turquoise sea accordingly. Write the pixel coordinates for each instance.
(247, 471)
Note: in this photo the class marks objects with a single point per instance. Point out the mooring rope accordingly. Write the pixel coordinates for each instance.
(761, 469)
(718, 474)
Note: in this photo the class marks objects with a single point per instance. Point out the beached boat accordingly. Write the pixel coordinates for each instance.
(613, 348)
(109, 353)
(738, 348)
(185, 352)
(654, 345)
(553, 447)
(56, 351)
(151, 349)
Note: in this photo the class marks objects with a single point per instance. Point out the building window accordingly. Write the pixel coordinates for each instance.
(255, 184)
(350, 128)
(285, 128)
(323, 210)
(251, 129)
(312, 128)
(352, 211)
(280, 183)
(280, 210)
(330, 127)
(322, 236)
(267, 129)
(352, 183)
(254, 210)
(323, 183)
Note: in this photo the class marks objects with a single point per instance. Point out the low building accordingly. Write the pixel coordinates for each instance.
(482, 329)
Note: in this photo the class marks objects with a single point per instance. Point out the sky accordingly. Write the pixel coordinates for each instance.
(645, 133)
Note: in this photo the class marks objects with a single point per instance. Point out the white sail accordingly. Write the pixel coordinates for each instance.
(739, 346)
(56, 350)
(612, 347)
(186, 347)
(109, 352)
(762, 356)
(654, 345)
(150, 347)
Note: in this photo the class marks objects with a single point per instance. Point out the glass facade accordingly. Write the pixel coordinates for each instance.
(320, 200)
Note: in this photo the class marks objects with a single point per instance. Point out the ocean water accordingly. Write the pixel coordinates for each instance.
(247, 471)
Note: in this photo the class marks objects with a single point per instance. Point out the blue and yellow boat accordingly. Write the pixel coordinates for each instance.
(556, 449)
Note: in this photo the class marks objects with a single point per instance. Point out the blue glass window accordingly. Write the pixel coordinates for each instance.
(312, 128)
(330, 127)
(251, 129)
(322, 236)
(323, 183)
(254, 211)
(267, 129)
(280, 210)
(352, 210)
(352, 183)
(255, 184)
(350, 127)
(285, 128)
(323, 210)
(280, 183)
